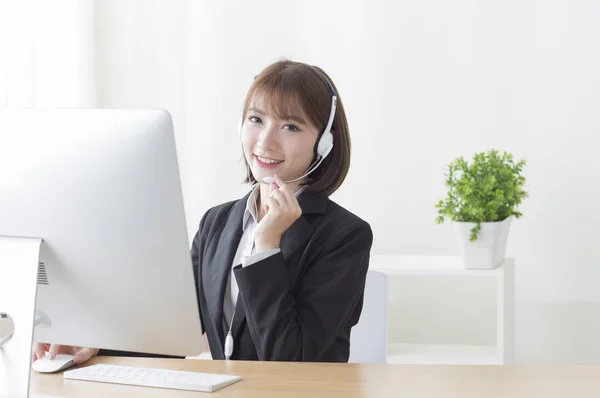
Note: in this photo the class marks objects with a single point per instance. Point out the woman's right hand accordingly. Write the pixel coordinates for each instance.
(80, 354)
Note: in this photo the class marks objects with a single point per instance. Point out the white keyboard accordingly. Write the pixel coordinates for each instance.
(159, 378)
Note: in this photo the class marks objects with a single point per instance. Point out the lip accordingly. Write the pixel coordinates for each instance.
(266, 165)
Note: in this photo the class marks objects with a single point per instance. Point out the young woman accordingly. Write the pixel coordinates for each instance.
(280, 273)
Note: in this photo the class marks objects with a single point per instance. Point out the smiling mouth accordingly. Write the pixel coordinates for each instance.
(266, 162)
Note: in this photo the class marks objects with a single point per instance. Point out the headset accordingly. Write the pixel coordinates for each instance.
(325, 144)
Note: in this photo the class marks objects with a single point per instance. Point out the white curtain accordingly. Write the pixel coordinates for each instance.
(47, 53)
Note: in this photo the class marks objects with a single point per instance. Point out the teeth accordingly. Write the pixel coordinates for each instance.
(268, 161)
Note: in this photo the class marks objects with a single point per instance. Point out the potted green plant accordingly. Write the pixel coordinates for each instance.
(481, 201)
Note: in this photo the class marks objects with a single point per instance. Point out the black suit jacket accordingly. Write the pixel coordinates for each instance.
(298, 305)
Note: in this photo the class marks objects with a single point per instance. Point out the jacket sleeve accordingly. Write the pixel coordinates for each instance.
(300, 323)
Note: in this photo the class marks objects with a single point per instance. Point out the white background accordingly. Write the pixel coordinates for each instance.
(422, 82)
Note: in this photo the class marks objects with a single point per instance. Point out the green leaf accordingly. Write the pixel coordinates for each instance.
(487, 189)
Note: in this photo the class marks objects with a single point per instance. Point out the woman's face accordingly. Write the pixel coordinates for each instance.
(282, 145)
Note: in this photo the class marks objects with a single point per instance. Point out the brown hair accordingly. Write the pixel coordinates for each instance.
(298, 89)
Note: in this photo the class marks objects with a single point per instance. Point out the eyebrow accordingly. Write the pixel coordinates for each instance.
(285, 117)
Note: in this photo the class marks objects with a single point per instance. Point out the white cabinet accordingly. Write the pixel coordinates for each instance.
(430, 269)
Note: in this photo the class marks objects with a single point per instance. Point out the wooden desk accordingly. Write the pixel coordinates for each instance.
(271, 379)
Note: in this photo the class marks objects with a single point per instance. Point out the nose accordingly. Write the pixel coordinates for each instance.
(268, 138)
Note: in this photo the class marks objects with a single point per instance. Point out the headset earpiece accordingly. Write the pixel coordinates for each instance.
(326, 141)
(325, 144)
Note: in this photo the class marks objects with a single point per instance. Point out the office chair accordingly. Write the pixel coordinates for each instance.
(368, 339)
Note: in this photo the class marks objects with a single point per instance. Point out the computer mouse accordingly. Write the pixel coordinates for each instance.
(47, 365)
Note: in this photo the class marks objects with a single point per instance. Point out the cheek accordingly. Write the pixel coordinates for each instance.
(301, 150)
(248, 140)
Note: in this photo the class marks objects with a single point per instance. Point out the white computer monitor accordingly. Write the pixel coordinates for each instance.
(102, 189)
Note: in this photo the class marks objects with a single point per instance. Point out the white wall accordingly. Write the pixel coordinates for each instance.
(422, 82)
(46, 56)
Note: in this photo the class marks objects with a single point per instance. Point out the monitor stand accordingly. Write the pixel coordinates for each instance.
(19, 259)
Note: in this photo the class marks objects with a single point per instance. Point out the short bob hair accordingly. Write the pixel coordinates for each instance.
(289, 88)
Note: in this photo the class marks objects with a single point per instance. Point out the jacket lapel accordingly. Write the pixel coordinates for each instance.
(239, 315)
(225, 251)
(295, 238)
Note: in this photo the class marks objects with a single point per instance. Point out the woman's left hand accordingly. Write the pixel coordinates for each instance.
(281, 211)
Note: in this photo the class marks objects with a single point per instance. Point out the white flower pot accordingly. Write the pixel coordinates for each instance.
(489, 250)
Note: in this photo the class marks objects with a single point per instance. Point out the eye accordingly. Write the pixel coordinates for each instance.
(254, 119)
(291, 127)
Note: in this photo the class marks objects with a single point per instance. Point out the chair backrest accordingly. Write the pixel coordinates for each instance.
(368, 339)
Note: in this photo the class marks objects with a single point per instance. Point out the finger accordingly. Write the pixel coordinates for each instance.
(34, 354)
(273, 205)
(37, 351)
(287, 191)
(84, 355)
(46, 348)
(40, 351)
(272, 188)
(291, 200)
(280, 198)
(54, 350)
(279, 181)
